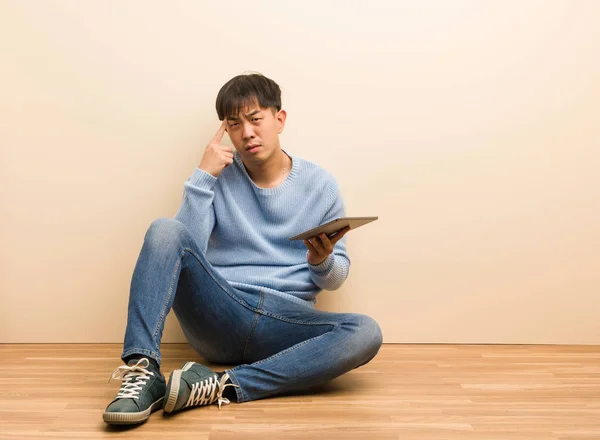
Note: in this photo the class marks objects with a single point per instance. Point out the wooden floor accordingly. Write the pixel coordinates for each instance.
(407, 392)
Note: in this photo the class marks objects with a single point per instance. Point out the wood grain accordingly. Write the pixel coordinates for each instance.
(407, 392)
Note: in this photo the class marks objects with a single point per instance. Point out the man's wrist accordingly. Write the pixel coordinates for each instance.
(316, 264)
(323, 265)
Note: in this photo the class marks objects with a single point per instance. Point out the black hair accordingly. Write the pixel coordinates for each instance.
(245, 90)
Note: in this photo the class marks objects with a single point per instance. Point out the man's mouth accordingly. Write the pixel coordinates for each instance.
(252, 147)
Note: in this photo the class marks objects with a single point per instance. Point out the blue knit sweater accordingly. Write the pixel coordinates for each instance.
(244, 230)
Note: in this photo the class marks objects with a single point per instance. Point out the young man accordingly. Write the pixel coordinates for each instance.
(242, 291)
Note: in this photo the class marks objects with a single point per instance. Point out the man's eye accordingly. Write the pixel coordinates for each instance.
(256, 119)
(233, 125)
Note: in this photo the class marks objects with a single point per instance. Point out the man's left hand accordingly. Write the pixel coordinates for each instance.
(321, 246)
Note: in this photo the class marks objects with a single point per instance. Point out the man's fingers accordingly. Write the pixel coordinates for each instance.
(318, 244)
(309, 245)
(338, 236)
(322, 245)
(219, 136)
(326, 242)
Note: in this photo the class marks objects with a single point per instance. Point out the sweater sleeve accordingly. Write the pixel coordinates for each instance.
(196, 211)
(333, 271)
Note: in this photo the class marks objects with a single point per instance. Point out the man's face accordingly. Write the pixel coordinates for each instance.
(254, 132)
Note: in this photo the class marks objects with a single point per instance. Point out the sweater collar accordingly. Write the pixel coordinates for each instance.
(287, 182)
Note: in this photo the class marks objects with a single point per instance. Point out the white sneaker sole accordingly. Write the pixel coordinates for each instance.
(123, 418)
(173, 387)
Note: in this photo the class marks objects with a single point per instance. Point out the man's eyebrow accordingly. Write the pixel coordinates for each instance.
(235, 118)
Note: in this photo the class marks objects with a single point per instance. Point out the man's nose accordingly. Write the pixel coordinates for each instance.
(247, 131)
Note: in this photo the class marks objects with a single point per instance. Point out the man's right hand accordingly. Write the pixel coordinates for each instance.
(217, 157)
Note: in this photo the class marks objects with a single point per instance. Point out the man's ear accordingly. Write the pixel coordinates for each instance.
(281, 116)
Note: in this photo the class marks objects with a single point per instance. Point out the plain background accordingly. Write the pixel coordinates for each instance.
(469, 127)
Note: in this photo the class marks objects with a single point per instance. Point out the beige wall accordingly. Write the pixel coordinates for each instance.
(469, 127)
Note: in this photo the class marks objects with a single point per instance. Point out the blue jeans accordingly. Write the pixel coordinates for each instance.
(279, 345)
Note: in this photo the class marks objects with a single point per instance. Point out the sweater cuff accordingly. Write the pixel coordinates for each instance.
(323, 267)
(202, 179)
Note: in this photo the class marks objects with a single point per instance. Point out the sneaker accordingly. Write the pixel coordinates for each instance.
(142, 392)
(195, 385)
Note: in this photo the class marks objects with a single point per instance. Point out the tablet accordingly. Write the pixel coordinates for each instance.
(334, 226)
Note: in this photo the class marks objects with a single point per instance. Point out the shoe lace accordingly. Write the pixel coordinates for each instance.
(134, 378)
(208, 391)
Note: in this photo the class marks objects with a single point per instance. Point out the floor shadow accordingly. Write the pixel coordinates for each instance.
(121, 428)
(339, 385)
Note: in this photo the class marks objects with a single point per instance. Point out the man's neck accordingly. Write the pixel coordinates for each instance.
(271, 173)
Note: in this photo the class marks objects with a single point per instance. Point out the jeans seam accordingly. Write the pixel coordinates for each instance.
(254, 324)
(167, 299)
(295, 321)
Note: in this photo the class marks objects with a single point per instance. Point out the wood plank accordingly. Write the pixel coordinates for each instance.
(407, 392)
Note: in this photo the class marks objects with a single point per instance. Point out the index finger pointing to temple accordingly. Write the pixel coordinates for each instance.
(221, 131)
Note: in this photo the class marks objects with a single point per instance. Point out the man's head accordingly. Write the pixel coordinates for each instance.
(252, 106)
